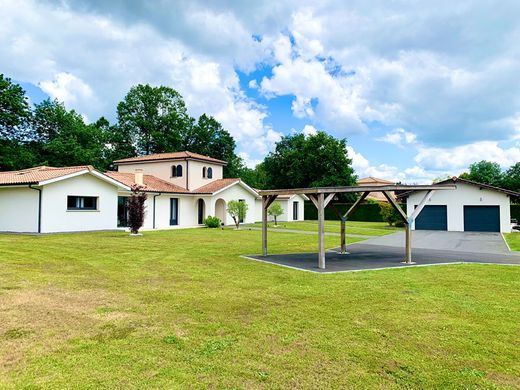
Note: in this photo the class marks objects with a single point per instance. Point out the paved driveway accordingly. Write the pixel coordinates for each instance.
(428, 248)
(468, 242)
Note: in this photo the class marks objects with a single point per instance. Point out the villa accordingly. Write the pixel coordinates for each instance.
(182, 188)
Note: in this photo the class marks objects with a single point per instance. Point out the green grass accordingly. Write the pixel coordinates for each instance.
(181, 309)
(513, 240)
(353, 227)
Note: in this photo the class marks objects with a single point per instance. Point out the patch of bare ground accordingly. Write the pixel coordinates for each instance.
(38, 321)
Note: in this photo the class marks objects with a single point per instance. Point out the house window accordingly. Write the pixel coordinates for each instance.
(122, 211)
(81, 202)
(210, 173)
(241, 214)
(176, 170)
(174, 211)
(204, 172)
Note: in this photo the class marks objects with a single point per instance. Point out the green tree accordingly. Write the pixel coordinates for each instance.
(64, 137)
(485, 172)
(237, 210)
(388, 213)
(309, 161)
(511, 179)
(275, 210)
(155, 119)
(117, 143)
(14, 110)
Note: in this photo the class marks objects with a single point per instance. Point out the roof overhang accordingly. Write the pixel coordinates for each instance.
(172, 159)
(354, 189)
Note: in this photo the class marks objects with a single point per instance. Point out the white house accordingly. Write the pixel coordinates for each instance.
(471, 206)
(182, 188)
(292, 205)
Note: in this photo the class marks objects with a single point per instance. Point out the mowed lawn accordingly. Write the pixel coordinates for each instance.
(513, 240)
(352, 227)
(181, 309)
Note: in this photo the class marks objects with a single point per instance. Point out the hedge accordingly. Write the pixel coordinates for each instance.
(368, 212)
(515, 211)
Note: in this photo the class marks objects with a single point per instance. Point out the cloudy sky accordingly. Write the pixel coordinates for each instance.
(420, 89)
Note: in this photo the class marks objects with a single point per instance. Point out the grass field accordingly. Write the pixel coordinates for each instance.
(513, 240)
(353, 227)
(181, 309)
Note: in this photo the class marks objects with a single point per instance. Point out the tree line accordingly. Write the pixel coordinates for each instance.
(150, 120)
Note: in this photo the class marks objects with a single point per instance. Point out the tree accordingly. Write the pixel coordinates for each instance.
(309, 161)
(388, 213)
(237, 210)
(154, 118)
(485, 172)
(14, 110)
(64, 137)
(136, 209)
(275, 210)
(511, 178)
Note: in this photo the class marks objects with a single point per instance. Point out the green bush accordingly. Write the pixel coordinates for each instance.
(212, 222)
(388, 213)
(399, 223)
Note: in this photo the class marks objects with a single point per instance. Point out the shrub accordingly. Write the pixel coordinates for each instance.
(400, 223)
(275, 210)
(136, 209)
(388, 213)
(212, 222)
(238, 210)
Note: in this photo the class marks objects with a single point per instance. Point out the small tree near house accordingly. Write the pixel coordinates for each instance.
(237, 210)
(136, 209)
(275, 210)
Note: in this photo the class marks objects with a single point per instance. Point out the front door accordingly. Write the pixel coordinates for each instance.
(122, 211)
(174, 211)
(201, 211)
(295, 211)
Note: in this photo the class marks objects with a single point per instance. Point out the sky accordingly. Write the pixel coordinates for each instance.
(419, 89)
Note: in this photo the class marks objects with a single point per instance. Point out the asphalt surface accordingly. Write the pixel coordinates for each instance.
(371, 254)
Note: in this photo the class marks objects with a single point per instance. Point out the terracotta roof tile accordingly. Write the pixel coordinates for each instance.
(373, 181)
(38, 174)
(170, 156)
(215, 186)
(151, 183)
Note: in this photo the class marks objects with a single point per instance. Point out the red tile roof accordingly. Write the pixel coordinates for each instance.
(151, 183)
(215, 186)
(373, 181)
(38, 174)
(170, 156)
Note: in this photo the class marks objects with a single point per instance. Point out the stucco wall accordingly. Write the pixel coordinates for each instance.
(464, 195)
(56, 217)
(195, 174)
(187, 209)
(160, 169)
(235, 192)
(18, 210)
(287, 205)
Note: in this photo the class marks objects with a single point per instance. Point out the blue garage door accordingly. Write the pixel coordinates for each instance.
(482, 218)
(432, 218)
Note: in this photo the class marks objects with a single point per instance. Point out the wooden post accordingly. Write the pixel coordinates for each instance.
(343, 236)
(321, 231)
(264, 226)
(408, 248)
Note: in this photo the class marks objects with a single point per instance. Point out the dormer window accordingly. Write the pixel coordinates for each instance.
(204, 172)
(176, 170)
(210, 173)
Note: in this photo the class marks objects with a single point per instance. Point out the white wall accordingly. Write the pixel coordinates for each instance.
(287, 205)
(18, 210)
(195, 174)
(187, 209)
(160, 169)
(464, 195)
(56, 217)
(236, 192)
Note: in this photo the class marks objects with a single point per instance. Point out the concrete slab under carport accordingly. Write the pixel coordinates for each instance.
(364, 257)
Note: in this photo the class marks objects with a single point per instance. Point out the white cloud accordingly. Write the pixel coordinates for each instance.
(69, 89)
(399, 137)
(309, 130)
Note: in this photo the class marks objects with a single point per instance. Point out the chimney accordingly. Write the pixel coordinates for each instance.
(139, 177)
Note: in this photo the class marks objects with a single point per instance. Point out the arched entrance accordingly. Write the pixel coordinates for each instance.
(201, 210)
(220, 210)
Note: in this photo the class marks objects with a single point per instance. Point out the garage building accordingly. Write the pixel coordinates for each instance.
(471, 207)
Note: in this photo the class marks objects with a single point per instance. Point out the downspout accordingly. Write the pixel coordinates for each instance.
(187, 174)
(39, 207)
(156, 195)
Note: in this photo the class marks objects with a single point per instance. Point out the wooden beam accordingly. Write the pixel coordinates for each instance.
(421, 205)
(408, 244)
(328, 199)
(398, 208)
(356, 204)
(348, 189)
(267, 200)
(321, 231)
(313, 199)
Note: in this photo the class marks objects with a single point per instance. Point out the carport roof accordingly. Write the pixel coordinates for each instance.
(347, 189)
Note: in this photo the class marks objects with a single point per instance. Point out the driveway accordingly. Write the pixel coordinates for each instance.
(468, 242)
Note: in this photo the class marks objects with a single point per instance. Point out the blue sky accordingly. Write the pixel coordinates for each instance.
(419, 90)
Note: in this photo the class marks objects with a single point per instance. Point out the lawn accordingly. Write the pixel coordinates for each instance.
(181, 309)
(513, 240)
(353, 227)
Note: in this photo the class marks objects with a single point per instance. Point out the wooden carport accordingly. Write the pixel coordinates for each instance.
(322, 196)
